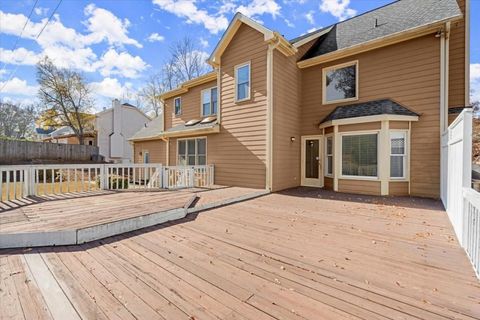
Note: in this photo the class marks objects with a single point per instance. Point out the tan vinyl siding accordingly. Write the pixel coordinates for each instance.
(239, 150)
(398, 125)
(286, 122)
(360, 127)
(359, 186)
(328, 183)
(408, 73)
(398, 188)
(191, 101)
(456, 84)
(156, 148)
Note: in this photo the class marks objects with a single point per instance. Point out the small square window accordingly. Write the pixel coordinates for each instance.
(340, 83)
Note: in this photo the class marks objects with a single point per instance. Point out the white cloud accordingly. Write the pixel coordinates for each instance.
(104, 25)
(124, 64)
(309, 17)
(39, 11)
(475, 82)
(188, 10)
(338, 8)
(155, 37)
(311, 30)
(203, 42)
(259, 7)
(289, 23)
(83, 59)
(110, 88)
(18, 86)
(20, 56)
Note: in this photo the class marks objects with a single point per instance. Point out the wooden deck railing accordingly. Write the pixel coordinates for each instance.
(17, 182)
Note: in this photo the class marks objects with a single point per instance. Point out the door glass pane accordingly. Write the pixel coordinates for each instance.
(202, 160)
(181, 147)
(311, 159)
(191, 147)
(201, 150)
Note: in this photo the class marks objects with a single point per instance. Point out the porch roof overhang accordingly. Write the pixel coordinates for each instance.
(370, 111)
(183, 131)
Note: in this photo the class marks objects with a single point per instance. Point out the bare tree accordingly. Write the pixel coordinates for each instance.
(150, 93)
(17, 121)
(187, 60)
(66, 96)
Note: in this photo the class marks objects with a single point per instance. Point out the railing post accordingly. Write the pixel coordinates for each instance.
(102, 177)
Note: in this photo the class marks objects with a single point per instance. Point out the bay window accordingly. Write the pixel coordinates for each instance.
(192, 152)
(398, 158)
(209, 101)
(329, 156)
(360, 155)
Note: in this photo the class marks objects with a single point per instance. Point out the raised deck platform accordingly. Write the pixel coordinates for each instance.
(79, 218)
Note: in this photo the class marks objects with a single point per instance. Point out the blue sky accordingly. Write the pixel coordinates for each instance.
(117, 44)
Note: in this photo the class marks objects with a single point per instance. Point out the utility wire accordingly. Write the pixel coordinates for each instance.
(36, 38)
(21, 33)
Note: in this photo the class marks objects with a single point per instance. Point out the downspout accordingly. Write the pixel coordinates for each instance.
(269, 172)
(444, 56)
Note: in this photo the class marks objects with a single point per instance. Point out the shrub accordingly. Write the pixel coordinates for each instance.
(122, 182)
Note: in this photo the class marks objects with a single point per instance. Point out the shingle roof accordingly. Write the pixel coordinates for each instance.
(182, 127)
(370, 108)
(151, 129)
(393, 18)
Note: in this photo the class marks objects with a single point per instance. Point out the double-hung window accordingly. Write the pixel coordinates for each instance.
(209, 101)
(192, 152)
(340, 83)
(360, 155)
(329, 156)
(177, 102)
(242, 82)
(398, 154)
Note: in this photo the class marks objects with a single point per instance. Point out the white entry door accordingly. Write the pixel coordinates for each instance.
(312, 168)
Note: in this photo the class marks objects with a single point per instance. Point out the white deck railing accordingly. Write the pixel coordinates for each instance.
(17, 182)
(460, 200)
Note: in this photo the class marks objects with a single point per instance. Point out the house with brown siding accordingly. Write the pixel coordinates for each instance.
(356, 107)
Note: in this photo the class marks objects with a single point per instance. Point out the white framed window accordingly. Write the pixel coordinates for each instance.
(340, 83)
(192, 152)
(146, 156)
(360, 155)
(398, 154)
(242, 82)
(209, 101)
(329, 156)
(177, 102)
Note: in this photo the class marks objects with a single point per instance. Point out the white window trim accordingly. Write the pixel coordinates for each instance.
(238, 66)
(201, 101)
(358, 133)
(196, 154)
(330, 175)
(174, 110)
(406, 155)
(324, 83)
(143, 156)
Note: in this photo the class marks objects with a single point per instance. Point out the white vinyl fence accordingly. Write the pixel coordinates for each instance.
(460, 200)
(17, 182)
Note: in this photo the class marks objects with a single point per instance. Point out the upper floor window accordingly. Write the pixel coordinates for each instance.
(209, 101)
(340, 83)
(177, 102)
(242, 82)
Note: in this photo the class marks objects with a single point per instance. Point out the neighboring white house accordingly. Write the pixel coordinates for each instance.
(114, 127)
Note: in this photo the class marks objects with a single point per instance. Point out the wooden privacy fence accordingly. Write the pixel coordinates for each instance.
(17, 182)
(460, 200)
(12, 151)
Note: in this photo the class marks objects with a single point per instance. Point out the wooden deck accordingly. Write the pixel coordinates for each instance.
(81, 210)
(302, 254)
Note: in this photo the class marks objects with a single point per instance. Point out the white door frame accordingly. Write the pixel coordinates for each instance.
(309, 181)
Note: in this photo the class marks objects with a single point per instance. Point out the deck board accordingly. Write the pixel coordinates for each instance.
(300, 254)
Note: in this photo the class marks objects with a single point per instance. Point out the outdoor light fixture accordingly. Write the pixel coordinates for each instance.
(292, 139)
